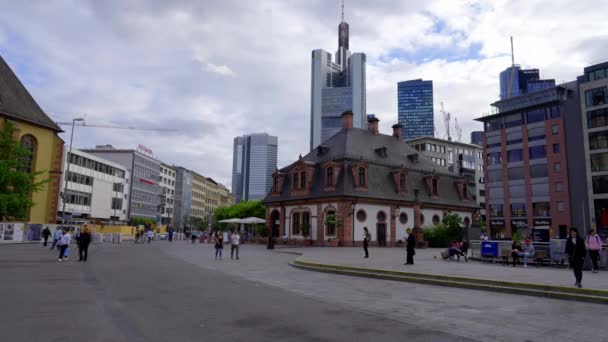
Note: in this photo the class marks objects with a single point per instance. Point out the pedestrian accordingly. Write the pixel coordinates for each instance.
(516, 250)
(410, 247)
(64, 244)
(56, 238)
(46, 232)
(366, 239)
(219, 245)
(150, 235)
(84, 240)
(483, 237)
(170, 234)
(527, 252)
(575, 248)
(193, 236)
(235, 239)
(594, 245)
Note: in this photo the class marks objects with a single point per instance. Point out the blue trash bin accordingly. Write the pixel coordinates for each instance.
(489, 249)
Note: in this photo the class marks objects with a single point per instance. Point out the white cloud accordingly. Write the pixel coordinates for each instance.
(223, 70)
(173, 64)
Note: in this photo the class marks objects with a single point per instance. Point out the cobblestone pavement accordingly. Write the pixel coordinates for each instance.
(479, 315)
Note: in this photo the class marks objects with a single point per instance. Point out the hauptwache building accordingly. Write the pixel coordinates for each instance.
(37, 132)
(364, 179)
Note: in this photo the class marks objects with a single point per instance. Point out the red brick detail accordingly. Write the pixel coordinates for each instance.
(320, 225)
(355, 172)
(278, 179)
(463, 193)
(397, 180)
(428, 180)
(330, 186)
(417, 213)
(394, 217)
(345, 223)
(301, 168)
(282, 222)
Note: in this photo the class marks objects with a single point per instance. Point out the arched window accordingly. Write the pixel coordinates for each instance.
(402, 182)
(403, 218)
(361, 176)
(28, 162)
(381, 216)
(435, 219)
(329, 175)
(296, 180)
(303, 180)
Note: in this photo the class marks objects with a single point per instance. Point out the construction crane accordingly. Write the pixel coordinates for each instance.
(84, 124)
(446, 120)
(458, 129)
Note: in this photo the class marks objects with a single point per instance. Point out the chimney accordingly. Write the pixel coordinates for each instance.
(347, 119)
(397, 133)
(372, 125)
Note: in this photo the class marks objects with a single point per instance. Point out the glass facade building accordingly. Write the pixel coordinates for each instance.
(515, 81)
(336, 86)
(415, 108)
(254, 161)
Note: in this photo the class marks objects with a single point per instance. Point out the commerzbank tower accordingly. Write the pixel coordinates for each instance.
(336, 86)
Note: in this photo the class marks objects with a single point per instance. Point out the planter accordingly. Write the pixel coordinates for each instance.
(308, 242)
(334, 243)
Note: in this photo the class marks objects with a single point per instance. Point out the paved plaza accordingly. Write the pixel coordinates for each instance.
(177, 291)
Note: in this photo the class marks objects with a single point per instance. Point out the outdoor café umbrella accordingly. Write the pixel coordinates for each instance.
(252, 220)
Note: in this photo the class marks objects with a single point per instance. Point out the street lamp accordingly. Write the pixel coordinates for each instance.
(65, 177)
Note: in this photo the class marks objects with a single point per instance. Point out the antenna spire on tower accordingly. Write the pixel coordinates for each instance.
(512, 54)
(342, 10)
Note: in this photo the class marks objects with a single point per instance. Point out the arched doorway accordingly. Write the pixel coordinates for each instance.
(275, 223)
(381, 228)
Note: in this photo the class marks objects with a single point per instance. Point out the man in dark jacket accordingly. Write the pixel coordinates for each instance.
(46, 232)
(411, 244)
(576, 250)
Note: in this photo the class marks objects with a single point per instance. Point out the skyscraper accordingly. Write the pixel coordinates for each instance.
(254, 161)
(515, 81)
(415, 108)
(336, 87)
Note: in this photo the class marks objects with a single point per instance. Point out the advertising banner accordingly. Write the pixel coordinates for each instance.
(11, 232)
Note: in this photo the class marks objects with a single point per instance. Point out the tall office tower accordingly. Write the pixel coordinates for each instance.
(254, 161)
(335, 88)
(515, 81)
(477, 138)
(415, 108)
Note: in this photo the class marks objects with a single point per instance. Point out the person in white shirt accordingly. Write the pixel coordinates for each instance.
(150, 235)
(483, 237)
(235, 239)
(64, 243)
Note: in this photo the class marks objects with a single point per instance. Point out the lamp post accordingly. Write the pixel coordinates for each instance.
(65, 177)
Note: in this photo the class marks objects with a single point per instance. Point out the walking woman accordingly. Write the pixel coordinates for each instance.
(84, 240)
(576, 250)
(410, 247)
(366, 238)
(594, 245)
(64, 243)
(219, 245)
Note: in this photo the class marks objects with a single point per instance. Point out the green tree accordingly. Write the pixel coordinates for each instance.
(16, 185)
(137, 221)
(454, 226)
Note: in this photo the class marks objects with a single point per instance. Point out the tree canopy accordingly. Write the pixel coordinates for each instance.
(16, 184)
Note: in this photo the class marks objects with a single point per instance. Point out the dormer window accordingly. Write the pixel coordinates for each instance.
(302, 180)
(362, 177)
(275, 186)
(296, 180)
(381, 151)
(435, 187)
(401, 181)
(465, 191)
(329, 176)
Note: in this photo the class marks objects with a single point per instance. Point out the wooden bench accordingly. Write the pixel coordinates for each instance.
(505, 254)
(540, 257)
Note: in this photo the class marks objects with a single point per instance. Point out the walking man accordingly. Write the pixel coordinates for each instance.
(594, 244)
(150, 235)
(366, 238)
(235, 239)
(46, 232)
(411, 244)
(575, 248)
(84, 239)
(56, 238)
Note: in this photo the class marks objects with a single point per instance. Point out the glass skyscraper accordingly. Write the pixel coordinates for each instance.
(515, 81)
(335, 88)
(254, 161)
(415, 108)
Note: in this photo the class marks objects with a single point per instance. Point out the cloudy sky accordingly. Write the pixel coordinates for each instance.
(214, 70)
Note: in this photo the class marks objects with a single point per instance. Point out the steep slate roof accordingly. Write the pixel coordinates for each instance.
(355, 144)
(16, 101)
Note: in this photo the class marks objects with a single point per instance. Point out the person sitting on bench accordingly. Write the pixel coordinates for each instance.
(455, 250)
(528, 252)
(515, 251)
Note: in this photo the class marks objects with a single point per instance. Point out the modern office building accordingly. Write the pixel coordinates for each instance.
(97, 190)
(415, 108)
(515, 81)
(254, 161)
(465, 160)
(527, 175)
(477, 138)
(336, 86)
(144, 169)
(593, 86)
(167, 196)
(183, 197)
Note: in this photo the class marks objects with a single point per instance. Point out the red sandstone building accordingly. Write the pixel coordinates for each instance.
(360, 178)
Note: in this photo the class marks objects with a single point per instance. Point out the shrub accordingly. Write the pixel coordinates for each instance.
(437, 236)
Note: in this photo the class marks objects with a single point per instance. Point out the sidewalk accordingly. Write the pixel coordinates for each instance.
(428, 261)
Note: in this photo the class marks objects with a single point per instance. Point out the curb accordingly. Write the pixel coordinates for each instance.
(530, 289)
